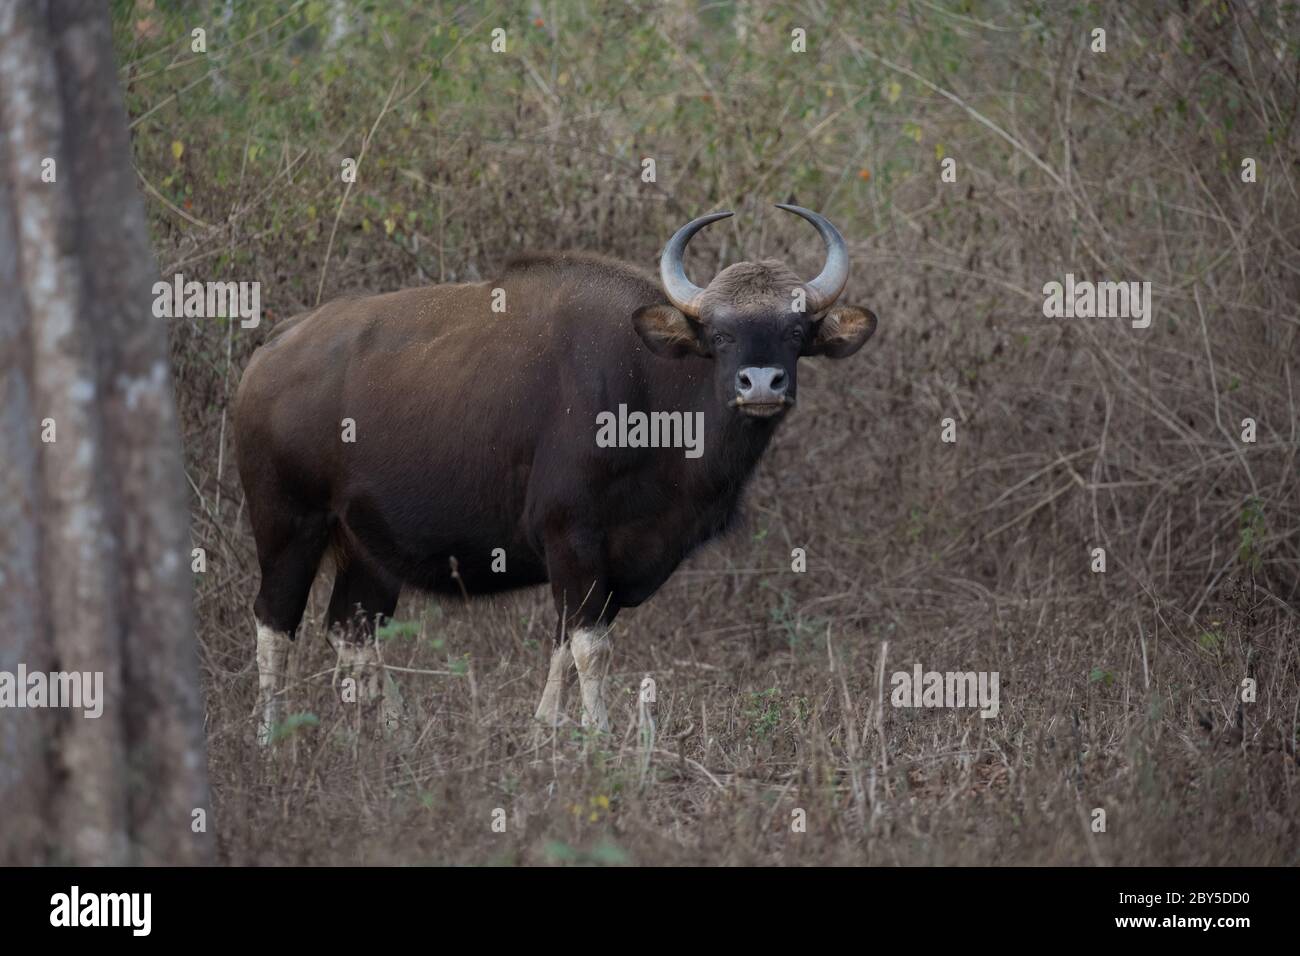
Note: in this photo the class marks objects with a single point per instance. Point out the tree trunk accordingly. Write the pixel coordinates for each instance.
(94, 539)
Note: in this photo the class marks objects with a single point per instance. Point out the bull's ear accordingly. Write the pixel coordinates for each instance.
(841, 332)
(668, 332)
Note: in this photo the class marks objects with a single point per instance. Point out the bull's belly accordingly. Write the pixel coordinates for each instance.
(471, 577)
(446, 550)
(443, 550)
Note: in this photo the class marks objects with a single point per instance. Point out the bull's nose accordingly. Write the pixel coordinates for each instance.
(761, 386)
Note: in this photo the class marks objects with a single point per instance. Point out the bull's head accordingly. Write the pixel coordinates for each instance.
(755, 319)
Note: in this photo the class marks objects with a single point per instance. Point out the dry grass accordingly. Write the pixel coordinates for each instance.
(1118, 690)
(757, 716)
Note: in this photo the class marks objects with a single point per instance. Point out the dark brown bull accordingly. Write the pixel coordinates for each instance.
(474, 459)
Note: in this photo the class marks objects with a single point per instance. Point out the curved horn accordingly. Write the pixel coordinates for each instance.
(826, 288)
(682, 292)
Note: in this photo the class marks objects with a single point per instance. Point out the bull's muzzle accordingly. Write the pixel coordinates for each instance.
(761, 392)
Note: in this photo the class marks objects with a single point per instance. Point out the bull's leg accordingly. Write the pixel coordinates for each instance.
(363, 597)
(548, 711)
(272, 663)
(289, 549)
(586, 609)
(591, 653)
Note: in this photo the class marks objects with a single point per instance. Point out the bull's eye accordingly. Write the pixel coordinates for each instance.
(720, 339)
(796, 334)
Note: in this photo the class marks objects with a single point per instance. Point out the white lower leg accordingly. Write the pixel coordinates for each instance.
(548, 711)
(591, 652)
(272, 658)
